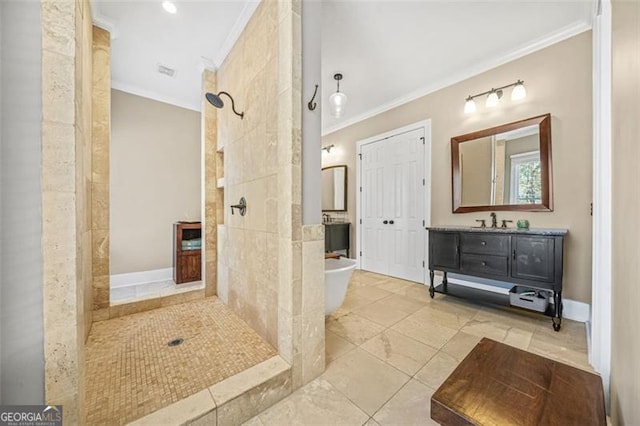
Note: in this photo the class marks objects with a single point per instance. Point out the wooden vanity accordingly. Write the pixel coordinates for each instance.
(531, 258)
(336, 236)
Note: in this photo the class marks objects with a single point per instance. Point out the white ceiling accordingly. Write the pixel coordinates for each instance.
(390, 51)
(143, 35)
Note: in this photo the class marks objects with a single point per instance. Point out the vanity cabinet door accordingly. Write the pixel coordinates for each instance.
(533, 258)
(444, 250)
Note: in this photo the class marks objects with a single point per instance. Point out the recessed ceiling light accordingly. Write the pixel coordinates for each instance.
(169, 7)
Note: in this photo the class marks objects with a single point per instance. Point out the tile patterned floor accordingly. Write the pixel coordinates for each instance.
(132, 372)
(151, 290)
(390, 346)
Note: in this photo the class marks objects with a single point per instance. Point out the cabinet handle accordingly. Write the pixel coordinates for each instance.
(484, 263)
(384, 222)
(457, 249)
(390, 222)
(484, 243)
(514, 255)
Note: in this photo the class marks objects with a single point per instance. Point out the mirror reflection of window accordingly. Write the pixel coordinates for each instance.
(526, 180)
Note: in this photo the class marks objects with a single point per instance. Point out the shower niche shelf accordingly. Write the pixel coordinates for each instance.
(187, 252)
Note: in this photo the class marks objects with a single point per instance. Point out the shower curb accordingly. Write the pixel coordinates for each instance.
(231, 401)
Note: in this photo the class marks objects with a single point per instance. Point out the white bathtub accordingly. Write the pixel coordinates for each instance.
(337, 273)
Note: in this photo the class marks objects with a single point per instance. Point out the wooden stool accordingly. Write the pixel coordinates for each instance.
(497, 384)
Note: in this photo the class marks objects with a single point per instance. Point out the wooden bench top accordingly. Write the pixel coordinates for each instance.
(497, 384)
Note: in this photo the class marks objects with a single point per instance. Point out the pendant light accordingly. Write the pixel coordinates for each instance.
(338, 100)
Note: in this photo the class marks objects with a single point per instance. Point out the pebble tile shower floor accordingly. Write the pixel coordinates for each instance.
(131, 371)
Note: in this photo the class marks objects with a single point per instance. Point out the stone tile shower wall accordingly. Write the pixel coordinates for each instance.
(261, 254)
(209, 125)
(66, 199)
(250, 75)
(101, 112)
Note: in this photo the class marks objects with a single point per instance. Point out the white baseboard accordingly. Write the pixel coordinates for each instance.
(135, 278)
(574, 310)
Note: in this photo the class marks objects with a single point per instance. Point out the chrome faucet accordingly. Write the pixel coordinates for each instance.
(494, 220)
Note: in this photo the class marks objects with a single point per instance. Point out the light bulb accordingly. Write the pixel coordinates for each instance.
(337, 101)
(518, 92)
(492, 99)
(469, 106)
(169, 7)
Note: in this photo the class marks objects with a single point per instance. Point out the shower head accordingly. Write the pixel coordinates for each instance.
(216, 101)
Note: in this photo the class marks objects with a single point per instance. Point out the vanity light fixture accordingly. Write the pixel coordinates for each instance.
(328, 148)
(169, 7)
(518, 92)
(494, 98)
(216, 101)
(469, 105)
(338, 100)
(494, 95)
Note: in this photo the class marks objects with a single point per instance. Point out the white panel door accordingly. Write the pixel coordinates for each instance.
(373, 207)
(393, 200)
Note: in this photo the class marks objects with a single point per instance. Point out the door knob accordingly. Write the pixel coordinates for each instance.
(384, 222)
(390, 222)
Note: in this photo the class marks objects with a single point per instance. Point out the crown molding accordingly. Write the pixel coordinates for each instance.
(99, 20)
(539, 44)
(242, 21)
(149, 94)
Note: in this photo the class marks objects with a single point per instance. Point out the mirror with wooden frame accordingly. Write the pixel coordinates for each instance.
(505, 167)
(334, 189)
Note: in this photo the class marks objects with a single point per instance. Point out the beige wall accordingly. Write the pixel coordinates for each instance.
(155, 180)
(564, 92)
(625, 351)
(66, 195)
(475, 162)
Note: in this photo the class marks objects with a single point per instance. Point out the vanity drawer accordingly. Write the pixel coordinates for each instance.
(485, 244)
(473, 264)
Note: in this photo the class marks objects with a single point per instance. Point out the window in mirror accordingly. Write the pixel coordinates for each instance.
(503, 168)
(334, 189)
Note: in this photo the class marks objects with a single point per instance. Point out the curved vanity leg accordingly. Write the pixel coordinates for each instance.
(431, 288)
(557, 316)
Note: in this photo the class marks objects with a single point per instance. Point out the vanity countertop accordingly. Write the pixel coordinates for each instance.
(335, 223)
(530, 231)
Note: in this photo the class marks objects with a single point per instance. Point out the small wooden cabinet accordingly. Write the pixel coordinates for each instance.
(187, 252)
(531, 258)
